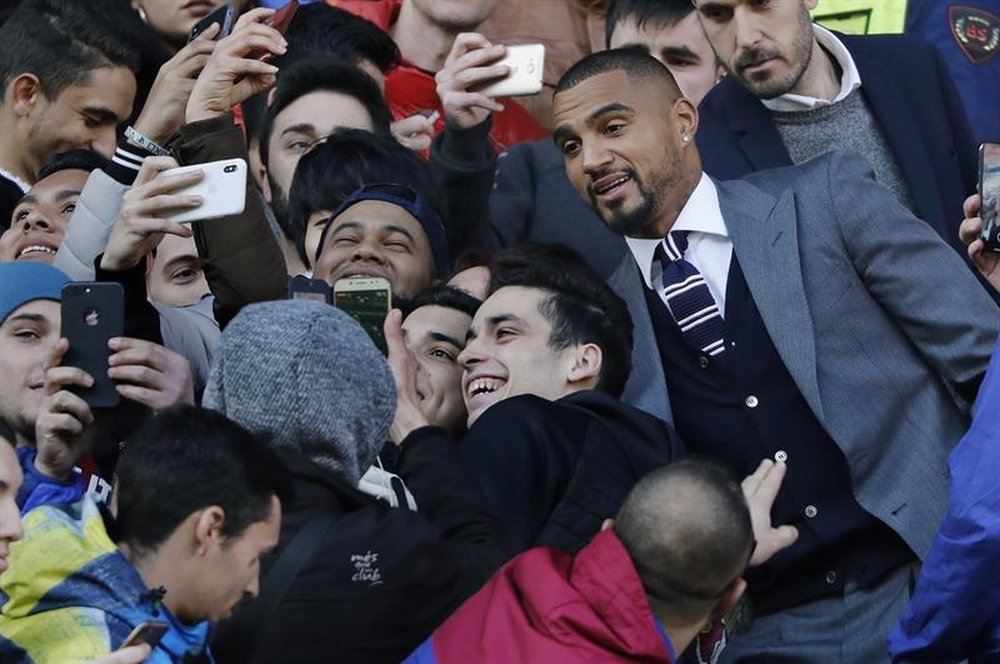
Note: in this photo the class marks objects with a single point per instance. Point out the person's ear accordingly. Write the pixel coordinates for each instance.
(720, 73)
(24, 92)
(686, 116)
(265, 184)
(586, 364)
(728, 601)
(208, 529)
(608, 524)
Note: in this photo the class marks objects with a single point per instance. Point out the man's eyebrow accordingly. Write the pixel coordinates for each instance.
(446, 338)
(562, 131)
(67, 193)
(678, 52)
(29, 317)
(27, 199)
(634, 47)
(178, 260)
(102, 114)
(393, 228)
(301, 128)
(499, 319)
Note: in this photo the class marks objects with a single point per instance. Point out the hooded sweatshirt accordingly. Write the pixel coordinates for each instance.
(69, 595)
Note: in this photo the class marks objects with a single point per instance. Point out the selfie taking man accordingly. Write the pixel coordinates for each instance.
(549, 443)
(68, 81)
(198, 503)
(792, 318)
(796, 90)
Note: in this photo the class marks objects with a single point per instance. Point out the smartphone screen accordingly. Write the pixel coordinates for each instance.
(93, 313)
(989, 189)
(367, 300)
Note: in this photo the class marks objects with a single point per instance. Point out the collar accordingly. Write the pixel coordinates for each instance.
(666, 639)
(850, 79)
(701, 214)
(24, 186)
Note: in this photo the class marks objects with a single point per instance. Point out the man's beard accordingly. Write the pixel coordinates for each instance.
(628, 222)
(771, 87)
(279, 205)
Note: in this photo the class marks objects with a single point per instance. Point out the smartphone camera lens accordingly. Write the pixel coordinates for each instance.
(229, 169)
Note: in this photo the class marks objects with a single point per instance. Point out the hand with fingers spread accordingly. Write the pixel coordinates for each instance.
(236, 72)
(405, 373)
(760, 490)
(163, 113)
(64, 426)
(469, 63)
(414, 132)
(988, 263)
(150, 374)
(139, 226)
(131, 655)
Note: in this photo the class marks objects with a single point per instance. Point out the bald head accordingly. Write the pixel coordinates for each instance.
(687, 529)
(642, 69)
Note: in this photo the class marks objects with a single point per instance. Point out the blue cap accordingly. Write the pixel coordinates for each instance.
(415, 204)
(25, 281)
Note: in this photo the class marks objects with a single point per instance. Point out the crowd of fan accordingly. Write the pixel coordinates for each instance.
(687, 358)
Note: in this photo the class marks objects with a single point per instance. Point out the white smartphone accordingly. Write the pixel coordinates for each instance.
(526, 62)
(223, 190)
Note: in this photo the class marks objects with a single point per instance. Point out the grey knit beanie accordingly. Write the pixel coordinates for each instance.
(305, 375)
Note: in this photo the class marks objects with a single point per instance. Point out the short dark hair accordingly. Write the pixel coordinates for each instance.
(641, 12)
(328, 74)
(687, 529)
(80, 159)
(345, 162)
(581, 306)
(7, 433)
(442, 296)
(639, 66)
(186, 459)
(320, 30)
(61, 42)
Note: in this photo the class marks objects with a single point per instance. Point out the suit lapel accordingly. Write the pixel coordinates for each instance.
(765, 239)
(887, 104)
(756, 134)
(646, 388)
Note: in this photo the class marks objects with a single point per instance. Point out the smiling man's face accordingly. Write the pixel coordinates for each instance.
(26, 338)
(41, 218)
(509, 353)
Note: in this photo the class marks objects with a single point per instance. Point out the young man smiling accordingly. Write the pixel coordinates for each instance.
(551, 446)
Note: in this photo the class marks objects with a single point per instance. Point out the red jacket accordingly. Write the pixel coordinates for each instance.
(546, 607)
(410, 90)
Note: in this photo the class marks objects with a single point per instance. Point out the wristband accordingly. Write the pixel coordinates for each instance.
(146, 143)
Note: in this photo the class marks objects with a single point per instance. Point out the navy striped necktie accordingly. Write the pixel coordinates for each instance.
(688, 298)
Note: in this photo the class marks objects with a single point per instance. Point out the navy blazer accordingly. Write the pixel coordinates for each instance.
(912, 97)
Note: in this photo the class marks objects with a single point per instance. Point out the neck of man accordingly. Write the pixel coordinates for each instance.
(680, 635)
(672, 206)
(821, 79)
(12, 159)
(159, 570)
(422, 42)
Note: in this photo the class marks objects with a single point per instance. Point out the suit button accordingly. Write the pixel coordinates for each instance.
(703, 362)
(811, 511)
(751, 401)
(831, 577)
(781, 456)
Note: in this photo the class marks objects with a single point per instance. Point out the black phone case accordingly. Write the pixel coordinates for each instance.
(93, 313)
(225, 16)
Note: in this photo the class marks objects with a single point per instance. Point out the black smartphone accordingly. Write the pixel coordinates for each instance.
(302, 287)
(367, 300)
(93, 313)
(225, 16)
(149, 632)
(989, 192)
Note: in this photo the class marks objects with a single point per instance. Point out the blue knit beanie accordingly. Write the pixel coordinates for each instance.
(25, 281)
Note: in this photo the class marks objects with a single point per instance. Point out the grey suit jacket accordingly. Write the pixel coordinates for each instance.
(879, 323)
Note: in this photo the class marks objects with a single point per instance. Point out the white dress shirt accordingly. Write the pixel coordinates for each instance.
(709, 247)
(850, 79)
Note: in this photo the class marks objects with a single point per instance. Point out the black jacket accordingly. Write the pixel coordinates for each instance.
(554, 470)
(387, 577)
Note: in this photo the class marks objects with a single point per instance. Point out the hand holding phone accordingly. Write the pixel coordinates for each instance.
(280, 21)
(989, 193)
(149, 632)
(367, 300)
(222, 190)
(525, 63)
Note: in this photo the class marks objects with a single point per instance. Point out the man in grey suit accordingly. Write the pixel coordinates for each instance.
(804, 315)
